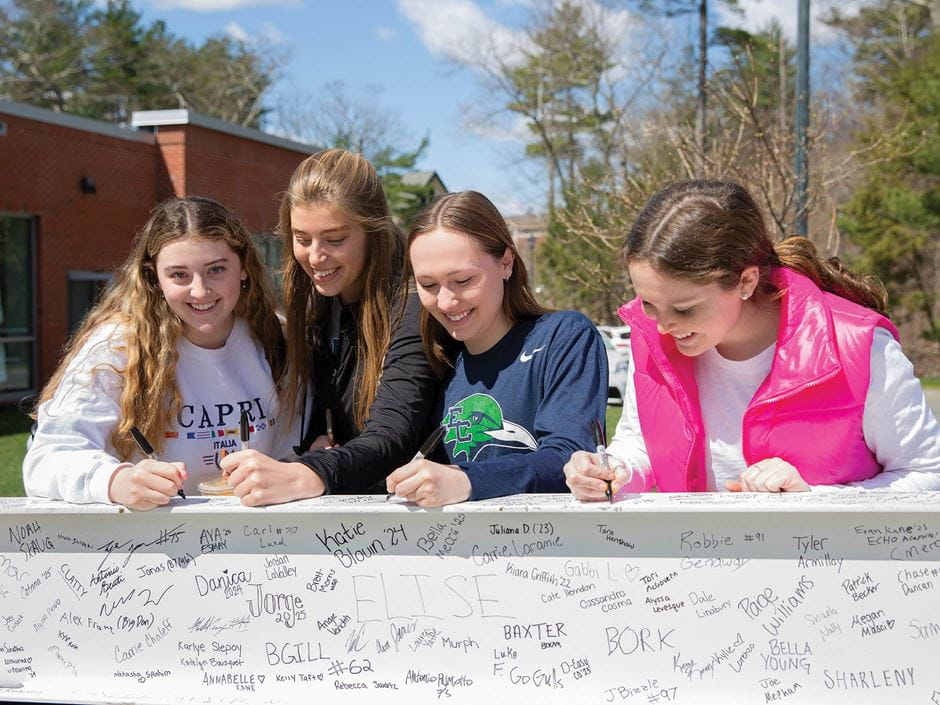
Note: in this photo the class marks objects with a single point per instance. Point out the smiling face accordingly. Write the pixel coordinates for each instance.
(201, 280)
(462, 287)
(330, 248)
(697, 316)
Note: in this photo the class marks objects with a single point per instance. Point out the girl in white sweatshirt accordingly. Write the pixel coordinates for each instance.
(183, 341)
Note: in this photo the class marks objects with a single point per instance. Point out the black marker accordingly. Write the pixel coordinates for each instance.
(147, 450)
(601, 444)
(425, 448)
(330, 438)
(244, 430)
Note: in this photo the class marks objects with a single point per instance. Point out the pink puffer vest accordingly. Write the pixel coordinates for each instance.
(808, 411)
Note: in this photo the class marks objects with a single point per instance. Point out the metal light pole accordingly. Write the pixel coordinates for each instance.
(801, 123)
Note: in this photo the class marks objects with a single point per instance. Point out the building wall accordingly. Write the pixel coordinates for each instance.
(246, 176)
(42, 163)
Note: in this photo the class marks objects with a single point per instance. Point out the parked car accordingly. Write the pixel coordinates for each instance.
(617, 367)
(618, 335)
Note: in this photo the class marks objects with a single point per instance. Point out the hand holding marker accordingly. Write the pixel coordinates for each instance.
(244, 435)
(220, 487)
(147, 450)
(425, 448)
(601, 443)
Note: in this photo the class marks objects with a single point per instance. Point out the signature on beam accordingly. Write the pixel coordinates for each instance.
(166, 536)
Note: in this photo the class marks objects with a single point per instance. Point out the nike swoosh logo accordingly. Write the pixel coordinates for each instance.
(525, 357)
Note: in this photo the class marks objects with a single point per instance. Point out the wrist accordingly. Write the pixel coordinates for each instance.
(114, 474)
(312, 483)
(465, 486)
(640, 478)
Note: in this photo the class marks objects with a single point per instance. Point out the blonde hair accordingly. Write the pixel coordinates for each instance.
(350, 184)
(710, 231)
(134, 301)
(474, 215)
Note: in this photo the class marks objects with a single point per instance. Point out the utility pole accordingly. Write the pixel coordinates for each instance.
(701, 107)
(801, 123)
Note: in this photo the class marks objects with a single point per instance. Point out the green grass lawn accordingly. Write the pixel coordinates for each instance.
(14, 428)
(613, 418)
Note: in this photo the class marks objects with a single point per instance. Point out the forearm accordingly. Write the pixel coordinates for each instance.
(80, 476)
(537, 472)
(70, 457)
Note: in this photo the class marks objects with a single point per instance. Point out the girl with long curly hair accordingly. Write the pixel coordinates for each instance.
(183, 341)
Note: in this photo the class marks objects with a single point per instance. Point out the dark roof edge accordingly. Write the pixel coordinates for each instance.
(75, 122)
(156, 118)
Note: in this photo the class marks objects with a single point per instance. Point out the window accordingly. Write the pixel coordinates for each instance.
(270, 247)
(84, 290)
(17, 309)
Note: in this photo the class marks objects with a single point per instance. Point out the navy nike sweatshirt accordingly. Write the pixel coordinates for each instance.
(514, 414)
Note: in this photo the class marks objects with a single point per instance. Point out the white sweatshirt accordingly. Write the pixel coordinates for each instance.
(898, 425)
(71, 457)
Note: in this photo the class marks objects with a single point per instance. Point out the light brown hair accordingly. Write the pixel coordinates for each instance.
(135, 302)
(710, 231)
(474, 215)
(350, 184)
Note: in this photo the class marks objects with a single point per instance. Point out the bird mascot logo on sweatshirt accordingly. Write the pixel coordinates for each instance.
(476, 422)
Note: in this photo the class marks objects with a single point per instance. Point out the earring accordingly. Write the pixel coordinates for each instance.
(245, 283)
(744, 295)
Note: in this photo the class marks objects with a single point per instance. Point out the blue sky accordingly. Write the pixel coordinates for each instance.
(415, 56)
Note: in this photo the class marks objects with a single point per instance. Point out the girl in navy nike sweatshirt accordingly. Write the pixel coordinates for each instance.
(522, 384)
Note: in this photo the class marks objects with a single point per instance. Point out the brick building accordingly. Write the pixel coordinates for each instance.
(529, 232)
(73, 192)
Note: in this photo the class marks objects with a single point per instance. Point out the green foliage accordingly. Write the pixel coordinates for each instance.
(562, 91)
(579, 263)
(606, 168)
(43, 59)
(392, 165)
(895, 215)
(884, 34)
(405, 199)
(558, 89)
(103, 63)
(755, 58)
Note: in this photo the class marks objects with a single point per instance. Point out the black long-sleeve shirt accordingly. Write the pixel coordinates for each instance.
(399, 418)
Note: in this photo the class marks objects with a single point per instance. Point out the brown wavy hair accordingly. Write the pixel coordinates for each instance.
(134, 302)
(472, 214)
(710, 231)
(349, 183)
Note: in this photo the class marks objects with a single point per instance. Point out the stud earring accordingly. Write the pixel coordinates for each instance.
(244, 283)
(744, 295)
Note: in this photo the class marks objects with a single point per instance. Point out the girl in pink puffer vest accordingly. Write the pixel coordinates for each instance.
(755, 367)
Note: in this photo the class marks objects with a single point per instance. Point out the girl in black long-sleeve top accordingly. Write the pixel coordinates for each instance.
(353, 338)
